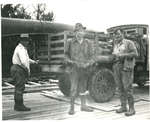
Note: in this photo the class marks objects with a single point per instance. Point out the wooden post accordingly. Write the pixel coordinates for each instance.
(49, 47)
(34, 50)
(65, 39)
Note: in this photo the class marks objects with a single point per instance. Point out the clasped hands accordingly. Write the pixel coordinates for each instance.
(81, 64)
(118, 56)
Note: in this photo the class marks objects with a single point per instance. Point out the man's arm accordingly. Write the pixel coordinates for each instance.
(91, 54)
(132, 51)
(33, 61)
(67, 58)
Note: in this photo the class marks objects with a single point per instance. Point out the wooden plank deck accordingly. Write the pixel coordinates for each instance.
(45, 108)
(8, 88)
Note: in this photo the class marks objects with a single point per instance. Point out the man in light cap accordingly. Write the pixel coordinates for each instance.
(20, 71)
(78, 57)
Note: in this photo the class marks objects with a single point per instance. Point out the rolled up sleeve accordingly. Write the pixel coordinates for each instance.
(133, 49)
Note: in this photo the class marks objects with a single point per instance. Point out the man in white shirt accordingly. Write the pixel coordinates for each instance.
(20, 71)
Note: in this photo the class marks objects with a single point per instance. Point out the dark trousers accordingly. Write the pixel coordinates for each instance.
(124, 80)
(78, 78)
(19, 76)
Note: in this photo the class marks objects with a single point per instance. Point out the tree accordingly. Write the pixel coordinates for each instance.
(14, 11)
(19, 11)
(48, 17)
(41, 14)
(7, 10)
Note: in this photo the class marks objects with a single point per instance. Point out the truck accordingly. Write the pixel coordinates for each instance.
(101, 84)
(48, 45)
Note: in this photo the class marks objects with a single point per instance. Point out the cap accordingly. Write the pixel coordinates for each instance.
(24, 35)
(79, 26)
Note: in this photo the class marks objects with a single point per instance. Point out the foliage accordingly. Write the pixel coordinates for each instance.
(19, 11)
(41, 14)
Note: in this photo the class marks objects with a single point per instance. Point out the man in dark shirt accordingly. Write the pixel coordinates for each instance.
(78, 53)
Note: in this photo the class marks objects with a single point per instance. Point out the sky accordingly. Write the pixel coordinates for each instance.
(101, 14)
(96, 14)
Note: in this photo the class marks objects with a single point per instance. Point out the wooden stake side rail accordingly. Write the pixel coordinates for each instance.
(56, 62)
(57, 48)
(57, 41)
(58, 56)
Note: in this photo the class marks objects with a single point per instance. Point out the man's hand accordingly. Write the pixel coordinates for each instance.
(118, 56)
(68, 61)
(91, 62)
(86, 65)
(121, 56)
(112, 57)
(36, 62)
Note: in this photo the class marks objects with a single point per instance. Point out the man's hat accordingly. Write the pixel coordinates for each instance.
(24, 35)
(79, 26)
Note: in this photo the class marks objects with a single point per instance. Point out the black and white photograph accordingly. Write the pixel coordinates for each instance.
(75, 60)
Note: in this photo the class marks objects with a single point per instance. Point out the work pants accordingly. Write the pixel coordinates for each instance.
(79, 79)
(19, 76)
(124, 80)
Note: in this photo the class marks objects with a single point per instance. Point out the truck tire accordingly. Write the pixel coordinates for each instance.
(140, 82)
(103, 85)
(141, 75)
(64, 84)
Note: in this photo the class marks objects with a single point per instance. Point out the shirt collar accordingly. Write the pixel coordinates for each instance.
(122, 42)
(75, 40)
(20, 45)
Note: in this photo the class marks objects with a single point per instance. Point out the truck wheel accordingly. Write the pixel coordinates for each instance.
(140, 84)
(103, 85)
(64, 84)
(140, 79)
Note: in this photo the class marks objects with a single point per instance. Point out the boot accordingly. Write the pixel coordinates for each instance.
(84, 107)
(123, 107)
(71, 111)
(131, 107)
(19, 106)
